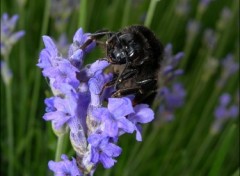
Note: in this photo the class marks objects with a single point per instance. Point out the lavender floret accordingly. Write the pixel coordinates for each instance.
(65, 167)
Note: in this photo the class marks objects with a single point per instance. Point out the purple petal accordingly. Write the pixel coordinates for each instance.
(220, 112)
(96, 84)
(13, 20)
(49, 44)
(58, 118)
(126, 125)
(65, 167)
(178, 56)
(44, 59)
(101, 113)
(98, 65)
(77, 58)
(94, 155)
(16, 36)
(107, 162)
(120, 107)
(95, 139)
(225, 99)
(178, 72)
(167, 69)
(111, 128)
(78, 36)
(143, 114)
(112, 150)
(233, 111)
(138, 133)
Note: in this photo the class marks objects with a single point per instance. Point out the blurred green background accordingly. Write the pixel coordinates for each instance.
(188, 145)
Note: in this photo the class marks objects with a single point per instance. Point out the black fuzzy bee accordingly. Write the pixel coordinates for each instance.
(135, 55)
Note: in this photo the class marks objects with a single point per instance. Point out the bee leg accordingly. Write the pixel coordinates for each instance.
(108, 84)
(126, 91)
(147, 83)
(125, 76)
(148, 88)
(117, 80)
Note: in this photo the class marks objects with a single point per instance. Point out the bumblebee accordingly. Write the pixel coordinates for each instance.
(135, 55)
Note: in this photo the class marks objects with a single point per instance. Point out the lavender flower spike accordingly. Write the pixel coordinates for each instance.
(169, 66)
(224, 112)
(78, 105)
(8, 36)
(171, 100)
(229, 67)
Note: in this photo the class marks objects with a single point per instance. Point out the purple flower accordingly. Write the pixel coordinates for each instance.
(75, 53)
(175, 98)
(229, 67)
(114, 116)
(142, 114)
(62, 74)
(224, 111)
(78, 105)
(171, 100)
(65, 167)
(8, 37)
(103, 150)
(95, 86)
(60, 71)
(210, 39)
(169, 69)
(61, 11)
(49, 55)
(60, 110)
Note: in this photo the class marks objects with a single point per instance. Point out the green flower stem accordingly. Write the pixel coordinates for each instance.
(237, 172)
(23, 83)
(215, 160)
(166, 19)
(10, 129)
(83, 14)
(144, 151)
(137, 147)
(10, 125)
(60, 147)
(115, 14)
(200, 153)
(176, 139)
(187, 51)
(150, 12)
(205, 115)
(126, 13)
(37, 71)
(37, 80)
(199, 88)
(228, 30)
(107, 172)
